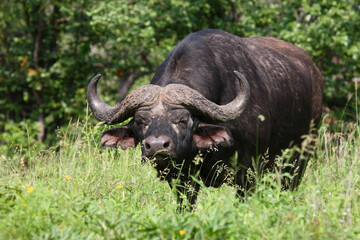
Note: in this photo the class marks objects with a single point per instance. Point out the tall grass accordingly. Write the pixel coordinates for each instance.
(78, 190)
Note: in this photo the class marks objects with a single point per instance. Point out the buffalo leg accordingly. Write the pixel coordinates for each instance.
(241, 177)
(186, 190)
(300, 162)
(243, 185)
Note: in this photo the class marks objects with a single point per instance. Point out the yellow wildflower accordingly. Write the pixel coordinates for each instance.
(25, 204)
(182, 232)
(30, 190)
(26, 184)
(119, 187)
(67, 177)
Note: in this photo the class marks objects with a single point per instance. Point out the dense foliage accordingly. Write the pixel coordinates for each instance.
(57, 183)
(50, 49)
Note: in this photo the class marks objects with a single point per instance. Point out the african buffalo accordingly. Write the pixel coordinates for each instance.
(206, 98)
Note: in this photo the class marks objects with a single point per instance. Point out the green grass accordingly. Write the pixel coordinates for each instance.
(82, 191)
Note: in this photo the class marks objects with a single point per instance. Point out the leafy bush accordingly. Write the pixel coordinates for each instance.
(50, 49)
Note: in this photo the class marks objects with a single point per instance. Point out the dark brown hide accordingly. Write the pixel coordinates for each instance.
(195, 103)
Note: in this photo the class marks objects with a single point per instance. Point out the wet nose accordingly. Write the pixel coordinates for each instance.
(153, 145)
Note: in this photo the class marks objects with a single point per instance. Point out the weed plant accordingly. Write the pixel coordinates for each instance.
(79, 190)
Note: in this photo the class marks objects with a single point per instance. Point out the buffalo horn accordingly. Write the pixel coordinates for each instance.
(198, 104)
(143, 96)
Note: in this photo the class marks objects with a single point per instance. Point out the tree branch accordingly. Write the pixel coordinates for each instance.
(39, 38)
(41, 135)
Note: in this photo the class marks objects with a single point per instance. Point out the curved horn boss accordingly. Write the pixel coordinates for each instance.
(198, 104)
(174, 93)
(143, 96)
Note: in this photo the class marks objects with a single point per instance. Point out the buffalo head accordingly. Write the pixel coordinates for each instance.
(166, 120)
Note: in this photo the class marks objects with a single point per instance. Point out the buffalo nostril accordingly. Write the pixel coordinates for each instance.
(154, 145)
(166, 144)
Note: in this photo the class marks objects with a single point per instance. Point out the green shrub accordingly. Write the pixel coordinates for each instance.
(50, 49)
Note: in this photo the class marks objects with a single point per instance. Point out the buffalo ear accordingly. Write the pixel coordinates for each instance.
(208, 135)
(123, 136)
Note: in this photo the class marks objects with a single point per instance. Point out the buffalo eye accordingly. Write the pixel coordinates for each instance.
(142, 123)
(182, 122)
